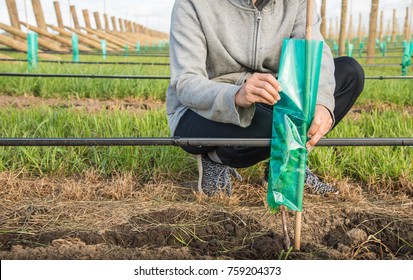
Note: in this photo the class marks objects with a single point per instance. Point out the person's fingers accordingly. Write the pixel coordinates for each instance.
(271, 80)
(263, 96)
(270, 89)
(313, 140)
(315, 126)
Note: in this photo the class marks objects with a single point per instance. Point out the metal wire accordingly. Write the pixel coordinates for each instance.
(88, 62)
(381, 65)
(129, 77)
(177, 141)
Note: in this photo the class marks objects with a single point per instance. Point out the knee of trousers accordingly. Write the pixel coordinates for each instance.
(350, 68)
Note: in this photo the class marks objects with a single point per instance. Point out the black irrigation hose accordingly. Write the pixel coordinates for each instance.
(121, 53)
(88, 62)
(381, 65)
(389, 78)
(177, 141)
(143, 63)
(131, 77)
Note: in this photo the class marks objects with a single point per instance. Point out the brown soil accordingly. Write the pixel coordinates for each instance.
(88, 104)
(90, 217)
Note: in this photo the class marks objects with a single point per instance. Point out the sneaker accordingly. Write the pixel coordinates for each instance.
(314, 185)
(215, 177)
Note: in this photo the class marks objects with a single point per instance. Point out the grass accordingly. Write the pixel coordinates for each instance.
(87, 88)
(146, 162)
(383, 113)
(151, 162)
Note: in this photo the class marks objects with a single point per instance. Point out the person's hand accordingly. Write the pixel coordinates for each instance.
(321, 124)
(262, 88)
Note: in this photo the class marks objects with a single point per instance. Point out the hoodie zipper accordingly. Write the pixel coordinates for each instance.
(257, 33)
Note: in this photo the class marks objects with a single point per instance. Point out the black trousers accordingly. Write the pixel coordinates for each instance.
(349, 77)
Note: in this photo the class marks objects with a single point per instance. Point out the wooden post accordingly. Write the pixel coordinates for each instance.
(381, 32)
(58, 38)
(13, 14)
(12, 43)
(105, 16)
(342, 39)
(87, 19)
(337, 33)
(350, 30)
(394, 31)
(323, 27)
(115, 28)
(121, 29)
(126, 23)
(58, 14)
(38, 13)
(97, 20)
(359, 30)
(371, 47)
(388, 29)
(406, 25)
(42, 42)
(83, 38)
(330, 30)
(74, 16)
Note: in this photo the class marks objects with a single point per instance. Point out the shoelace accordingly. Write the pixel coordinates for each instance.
(224, 177)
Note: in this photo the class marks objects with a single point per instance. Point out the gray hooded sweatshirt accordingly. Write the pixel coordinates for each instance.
(216, 45)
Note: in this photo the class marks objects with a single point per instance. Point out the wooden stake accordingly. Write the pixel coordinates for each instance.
(38, 13)
(342, 39)
(121, 29)
(359, 31)
(97, 20)
(287, 242)
(42, 42)
(394, 32)
(371, 46)
(406, 25)
(115, 28)
(86, 18)
(308, 36)
(323, 27)
(58, 38)
(105, 17)
(74, 16)
(58, 14)
(13, 14)
(381, 32)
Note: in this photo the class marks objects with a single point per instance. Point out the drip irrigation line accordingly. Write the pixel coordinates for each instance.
(141, 63)
(132, 77)
(88, 62)
(130, 53)
(381, 65)
(129, 77)
(389, 78)
(177, 141)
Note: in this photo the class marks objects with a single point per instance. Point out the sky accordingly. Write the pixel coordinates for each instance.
(155, 14)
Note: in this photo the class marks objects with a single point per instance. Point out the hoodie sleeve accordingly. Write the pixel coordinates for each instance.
(327, 82)
(189, 78)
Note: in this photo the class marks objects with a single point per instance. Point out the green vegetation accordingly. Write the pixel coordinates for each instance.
(88, 88)
(384, 110)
